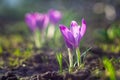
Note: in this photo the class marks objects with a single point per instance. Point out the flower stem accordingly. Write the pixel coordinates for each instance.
(78, 56)
(59, 59)
(37, 41)
(51, 31)
(70, 60)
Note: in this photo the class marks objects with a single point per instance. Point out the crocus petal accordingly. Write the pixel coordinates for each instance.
(71, 38)
(30, 19)
(67, 35)
(73, 23)
(68, 44)
(74, 28)
(64, 31)
(39, 21)
(83, 28)
(55, 16)
(46, 20)
(42, 21)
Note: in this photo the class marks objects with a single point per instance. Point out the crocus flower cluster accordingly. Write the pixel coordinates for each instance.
(40, 21)
(73, 35)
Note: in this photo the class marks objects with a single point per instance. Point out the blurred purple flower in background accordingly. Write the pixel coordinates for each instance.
(73, 35)
(42, 21)
(30, 19)
(54, 16)
(36, 21)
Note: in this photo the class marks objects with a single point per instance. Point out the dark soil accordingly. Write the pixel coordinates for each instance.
(44, 66)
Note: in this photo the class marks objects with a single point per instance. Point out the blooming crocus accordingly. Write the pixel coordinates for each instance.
(42, 21)
(73, 35)
(30, 19)
(36, 21)
(54, 16)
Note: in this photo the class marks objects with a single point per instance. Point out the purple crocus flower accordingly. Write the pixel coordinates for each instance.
(42, 21)
(73, 35)
(30, 19)
(36, 21)
(54, 16)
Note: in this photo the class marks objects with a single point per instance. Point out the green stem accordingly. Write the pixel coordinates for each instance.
(51, 31)
(78, 56)
(59, 59)
(61, 69)
(37, 39)
(70, 60)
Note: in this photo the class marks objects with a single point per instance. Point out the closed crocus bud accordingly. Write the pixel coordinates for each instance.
(54, 16)
(73, 35)
(42, 21)
(30, 19)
